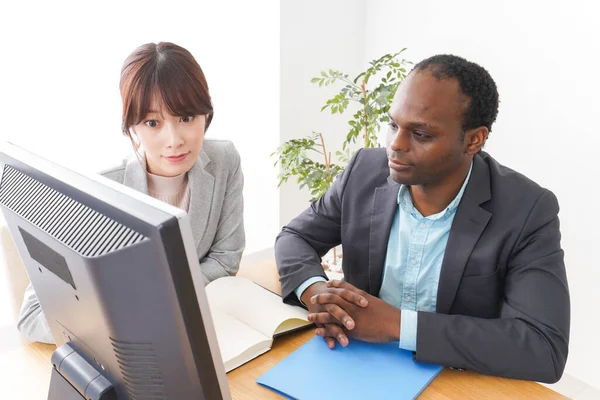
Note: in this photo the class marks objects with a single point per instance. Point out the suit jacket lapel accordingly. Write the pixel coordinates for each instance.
(201, 193)
(385, 204)
(468, 225)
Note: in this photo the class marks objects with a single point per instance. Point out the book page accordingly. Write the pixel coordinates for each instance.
(254, 305)
(238, 343)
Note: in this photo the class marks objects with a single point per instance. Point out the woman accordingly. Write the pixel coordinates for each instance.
(166, 111)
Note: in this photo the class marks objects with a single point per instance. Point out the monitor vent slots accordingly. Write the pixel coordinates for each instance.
(77, 226)
(140, 369)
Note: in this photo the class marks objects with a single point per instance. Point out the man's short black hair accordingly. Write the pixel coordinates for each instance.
(475, 82)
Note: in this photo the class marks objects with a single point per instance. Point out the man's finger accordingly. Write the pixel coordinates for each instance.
(325, 298)
(321, 318)
(330, 317)
(351, 296)
(333, 315)
(330, 297)
(340, 315)
(330, 342)
(336, 283)
(333, 331)
(338, 333)
(336, 306)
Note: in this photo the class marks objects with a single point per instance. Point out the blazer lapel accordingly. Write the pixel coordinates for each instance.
(468, 225)
(135, 175)
(385, 204)
(201, 193)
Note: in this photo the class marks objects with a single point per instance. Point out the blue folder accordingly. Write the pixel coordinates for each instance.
(359, 371)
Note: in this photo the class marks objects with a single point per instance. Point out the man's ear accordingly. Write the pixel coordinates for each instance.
(475, 140)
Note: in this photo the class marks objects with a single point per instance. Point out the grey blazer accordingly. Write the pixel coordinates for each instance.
(503, 300)
(215, 212)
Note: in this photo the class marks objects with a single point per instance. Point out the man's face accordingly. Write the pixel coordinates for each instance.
(425, 137)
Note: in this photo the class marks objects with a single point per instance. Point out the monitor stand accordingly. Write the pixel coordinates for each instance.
(61, 389)
(73, 378)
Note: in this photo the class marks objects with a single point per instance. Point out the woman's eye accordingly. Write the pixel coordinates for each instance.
(187, 118)
(151, 123)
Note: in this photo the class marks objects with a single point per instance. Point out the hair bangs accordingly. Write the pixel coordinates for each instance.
(166, 77)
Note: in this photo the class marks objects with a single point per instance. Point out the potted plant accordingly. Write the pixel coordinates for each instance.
(367, 97)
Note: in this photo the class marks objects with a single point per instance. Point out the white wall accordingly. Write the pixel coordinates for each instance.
(545, 59)
(59, 76)
(60, 62)
(315, 36)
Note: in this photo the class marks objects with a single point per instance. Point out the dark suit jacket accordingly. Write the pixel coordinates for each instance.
(503, 300)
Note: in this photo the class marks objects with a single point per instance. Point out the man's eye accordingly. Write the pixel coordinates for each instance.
(393, 125)
(151, 123)
(187, 118)
(421, 135)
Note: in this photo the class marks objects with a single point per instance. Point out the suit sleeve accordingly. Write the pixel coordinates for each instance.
(223, 258)
(530, 338)
(308, 237)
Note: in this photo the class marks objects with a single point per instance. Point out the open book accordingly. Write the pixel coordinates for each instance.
(247, 317)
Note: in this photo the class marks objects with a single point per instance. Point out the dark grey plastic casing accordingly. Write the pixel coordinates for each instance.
(117, 276)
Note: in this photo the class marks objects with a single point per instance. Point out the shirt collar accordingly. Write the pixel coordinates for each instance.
(405, 200)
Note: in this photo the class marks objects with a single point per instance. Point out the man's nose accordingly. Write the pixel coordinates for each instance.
(401, 141)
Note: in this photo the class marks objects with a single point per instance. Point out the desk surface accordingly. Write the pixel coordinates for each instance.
(26, 371)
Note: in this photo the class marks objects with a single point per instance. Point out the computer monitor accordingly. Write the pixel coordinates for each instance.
(118, 279)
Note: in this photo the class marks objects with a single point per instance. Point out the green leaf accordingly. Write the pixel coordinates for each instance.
(302, 159)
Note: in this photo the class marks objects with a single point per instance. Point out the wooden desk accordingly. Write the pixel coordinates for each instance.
(25, 371)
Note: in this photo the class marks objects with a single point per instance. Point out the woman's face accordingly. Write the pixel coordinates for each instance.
(171, 143)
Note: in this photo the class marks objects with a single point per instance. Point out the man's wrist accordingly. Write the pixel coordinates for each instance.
(394, 326)
(311, 291)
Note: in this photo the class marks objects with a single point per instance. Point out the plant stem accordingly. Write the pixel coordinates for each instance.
(364, 91)
(325, 152)
(347, 81)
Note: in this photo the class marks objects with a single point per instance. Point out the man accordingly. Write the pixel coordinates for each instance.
(445, 250)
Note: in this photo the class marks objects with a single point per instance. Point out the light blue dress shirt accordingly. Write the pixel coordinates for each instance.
(413, 263)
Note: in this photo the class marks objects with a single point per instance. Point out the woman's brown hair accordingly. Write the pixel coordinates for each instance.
(165, 72)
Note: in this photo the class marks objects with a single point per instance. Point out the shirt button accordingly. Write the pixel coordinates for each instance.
(413, 262)
(409, 299)
(422, 226)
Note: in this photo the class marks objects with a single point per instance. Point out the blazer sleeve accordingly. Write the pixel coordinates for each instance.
(223, 258)
(32, 322)
(530, 338)
(308, 237)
